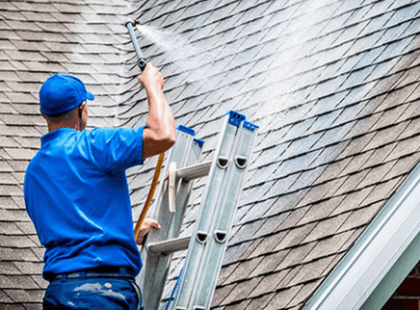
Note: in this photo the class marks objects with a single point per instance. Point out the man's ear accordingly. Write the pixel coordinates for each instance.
(82, 108)
(83, 115)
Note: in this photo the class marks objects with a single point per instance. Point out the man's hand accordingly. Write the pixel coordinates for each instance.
(151, 79)
(145, 228)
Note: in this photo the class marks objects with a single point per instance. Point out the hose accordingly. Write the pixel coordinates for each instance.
(150, 195)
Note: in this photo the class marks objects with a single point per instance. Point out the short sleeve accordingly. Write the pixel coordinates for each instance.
(116, 149)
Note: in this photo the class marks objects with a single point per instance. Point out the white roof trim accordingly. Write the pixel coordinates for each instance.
(387, 250)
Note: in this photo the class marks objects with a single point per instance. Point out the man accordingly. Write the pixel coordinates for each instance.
(76, 194)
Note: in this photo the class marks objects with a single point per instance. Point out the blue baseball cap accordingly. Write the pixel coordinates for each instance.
(61, 93)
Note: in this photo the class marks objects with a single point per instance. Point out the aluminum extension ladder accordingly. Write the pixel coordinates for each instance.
(207, 245)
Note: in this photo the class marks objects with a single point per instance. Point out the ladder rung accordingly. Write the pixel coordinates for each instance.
(193, 172)
(169, 246)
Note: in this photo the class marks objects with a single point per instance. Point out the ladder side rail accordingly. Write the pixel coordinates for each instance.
(199, 238)
(213, 258)
(216, 216)
(153, 275)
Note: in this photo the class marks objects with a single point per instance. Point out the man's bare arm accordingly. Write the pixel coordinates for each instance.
(159, 133)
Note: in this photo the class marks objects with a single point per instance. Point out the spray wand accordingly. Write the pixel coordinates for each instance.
(141, 63)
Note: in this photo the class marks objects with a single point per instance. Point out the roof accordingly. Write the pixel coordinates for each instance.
(333, 86)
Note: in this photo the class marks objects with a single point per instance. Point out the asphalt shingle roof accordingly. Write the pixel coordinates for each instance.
(333, 85)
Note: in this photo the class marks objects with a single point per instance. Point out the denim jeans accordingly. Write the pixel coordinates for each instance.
(93, 293)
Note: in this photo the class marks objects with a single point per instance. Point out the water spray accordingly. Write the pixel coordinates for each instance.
(141, 62)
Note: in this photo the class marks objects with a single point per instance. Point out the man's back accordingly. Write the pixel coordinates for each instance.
(77, 196)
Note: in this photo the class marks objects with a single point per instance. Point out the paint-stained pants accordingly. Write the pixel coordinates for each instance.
(93, 293)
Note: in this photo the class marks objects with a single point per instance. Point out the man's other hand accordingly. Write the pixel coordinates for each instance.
(145, 228)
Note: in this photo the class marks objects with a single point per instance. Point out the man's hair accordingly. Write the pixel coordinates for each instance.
(63, 117)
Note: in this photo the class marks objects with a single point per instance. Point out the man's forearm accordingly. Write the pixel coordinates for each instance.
(159, 133)
(160, 119)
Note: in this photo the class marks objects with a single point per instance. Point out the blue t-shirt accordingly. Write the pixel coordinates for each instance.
(76, 193)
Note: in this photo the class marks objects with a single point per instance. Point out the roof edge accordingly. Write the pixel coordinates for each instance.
(380, 259)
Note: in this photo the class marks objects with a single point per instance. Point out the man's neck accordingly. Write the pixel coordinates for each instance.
(53, 126)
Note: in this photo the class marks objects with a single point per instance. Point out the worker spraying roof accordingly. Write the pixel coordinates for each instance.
(76, 193)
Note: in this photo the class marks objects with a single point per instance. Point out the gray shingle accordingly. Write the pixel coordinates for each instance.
(40, 281)
(34, 306)
(18, 254)
(241, 290)
(294, 237)
(243, 270)
(241, 306)
(221, 294)
(19, 154)
(29, 267)
(355, 163)
(356, 145)
(292, 218)
(269, 263)
(18, 165)
(268, 282)
(321, 210)
(9, 228)
(313, 270)
(329, 154)
(329, 245)
(352, 199)
(280, 186)
(4, 298)
(282, 298)
(326, 228)
(225, 272)
(18, 295)
(270, 225)
(403, 165)
(319, 192)
(16, 241)
(7, 202)
(359, 217)
(294, 257)
(241, 251)
(406, 146)
(382, 191)
(267, 244)
(17, 282)
(260, 302)
(355, 234)
(377, 174)
(305, 292)
(8, 268)
(7, 190)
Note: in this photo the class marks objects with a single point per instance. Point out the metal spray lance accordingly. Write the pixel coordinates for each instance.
(141, 62)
